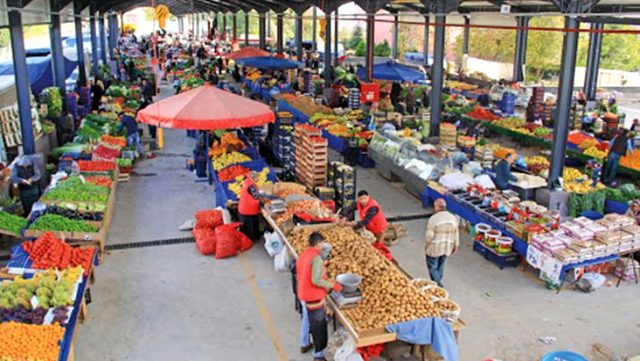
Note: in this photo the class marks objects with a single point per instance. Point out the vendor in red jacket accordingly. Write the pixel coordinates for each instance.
(249, 207)
(371, 216)
(312, 290)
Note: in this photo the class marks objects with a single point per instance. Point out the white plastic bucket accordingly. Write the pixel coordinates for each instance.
(504, 245)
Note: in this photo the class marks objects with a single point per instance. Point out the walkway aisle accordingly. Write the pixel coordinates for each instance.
(168, 303)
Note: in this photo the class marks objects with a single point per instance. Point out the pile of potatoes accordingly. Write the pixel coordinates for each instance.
(388, 296)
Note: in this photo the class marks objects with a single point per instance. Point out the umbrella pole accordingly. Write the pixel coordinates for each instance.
(209, 165)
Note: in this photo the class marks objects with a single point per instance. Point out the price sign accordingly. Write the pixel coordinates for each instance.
(534, 256)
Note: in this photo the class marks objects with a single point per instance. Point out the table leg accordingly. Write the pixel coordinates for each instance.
(626, 263)
(564, 276)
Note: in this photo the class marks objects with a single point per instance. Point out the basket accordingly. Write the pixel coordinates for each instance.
(449, 315)
(563, 356)
(433, 291)
(422, 282)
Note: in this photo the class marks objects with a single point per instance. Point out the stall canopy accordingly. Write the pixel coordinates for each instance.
(270, 63)
(393, 71)
(40, 71)
(247, 52)
(206, 108)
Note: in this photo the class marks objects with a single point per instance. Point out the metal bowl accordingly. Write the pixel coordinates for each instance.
(349, 281)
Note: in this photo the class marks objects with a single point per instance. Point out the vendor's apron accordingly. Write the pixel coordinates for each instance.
(29, 194)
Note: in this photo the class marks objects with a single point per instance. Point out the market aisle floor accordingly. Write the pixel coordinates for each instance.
(170, 303)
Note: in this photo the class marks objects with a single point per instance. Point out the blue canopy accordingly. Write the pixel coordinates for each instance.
(269, 63)
(40, 70)
(393, 71)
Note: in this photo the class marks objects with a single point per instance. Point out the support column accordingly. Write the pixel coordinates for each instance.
(336, 39)
(314, 29)
(280, 32)
(22, 80)
(103, 38)
(57, 56)
(465, 42)
(593, 61)
(565, 91)
(262, 28)
(246, 28)
(299, 27)
(520, 56)
(437, 72)
(370, 38)
(328, 81)
(234, 26)
(94, 44)
(268, 23)
(394, 40)
(425, 46)
(224, 23)
(82, 75)
(112, 35)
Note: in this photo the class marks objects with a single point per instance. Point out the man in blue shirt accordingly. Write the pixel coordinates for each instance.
(133, 137)
(503, 172)
(619, 146)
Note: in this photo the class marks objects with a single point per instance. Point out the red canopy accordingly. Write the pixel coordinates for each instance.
(206, 108)
(248, 52)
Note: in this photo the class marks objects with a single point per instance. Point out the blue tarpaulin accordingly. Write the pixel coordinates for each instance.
(40, 70)
(393, 71)
(269, 63)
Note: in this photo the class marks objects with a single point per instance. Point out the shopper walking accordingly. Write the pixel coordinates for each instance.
(249, 207)
(620, 145)
(441, 241)
(312, 290)
(26, 177)
(133, 137)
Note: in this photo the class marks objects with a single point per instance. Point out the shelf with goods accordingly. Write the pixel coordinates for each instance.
(342, 179)
(311, 153)
(283, 142)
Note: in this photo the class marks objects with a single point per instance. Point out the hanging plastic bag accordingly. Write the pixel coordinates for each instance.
(273, 243)
(282, 261)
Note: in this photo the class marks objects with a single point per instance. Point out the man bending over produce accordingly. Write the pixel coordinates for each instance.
(371, 215)
(441, 241)
(133, 137)
(312, 290)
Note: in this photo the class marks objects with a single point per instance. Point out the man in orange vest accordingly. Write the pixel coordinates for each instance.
(371, 216)
(312, 290)
(249, 207)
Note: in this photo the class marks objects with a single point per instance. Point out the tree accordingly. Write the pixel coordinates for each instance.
(619, 51)
(356, 37)
(361, 48)
(4, 38)
(409, 39)
(544, 48)
(382, 49)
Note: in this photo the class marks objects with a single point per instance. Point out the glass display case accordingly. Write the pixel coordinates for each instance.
(387, 144)
(422, 161)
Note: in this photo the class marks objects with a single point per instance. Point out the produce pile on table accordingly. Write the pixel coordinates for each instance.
(482, 113)
(96, 166)
(577, 182)
(11, 223)
(105, 153)
(236, 187)
(73, 193)
(54, 222)
(227, 159)
(228, 143)
(310, 206)
(388, 296)
(115, 141)
(101, 181)
(50, 252)
(22, 342)
(537, 164)
(232, 172)
(305, 104)
(51, 288)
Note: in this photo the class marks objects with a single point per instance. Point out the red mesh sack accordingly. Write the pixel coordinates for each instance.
(227, 240)
(244, 242)
(205, 240)
(210, 218)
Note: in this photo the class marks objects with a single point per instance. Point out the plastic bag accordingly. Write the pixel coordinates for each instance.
(205, 240)
(282, 261)
(347, 352)
(273, 243)
(226, 240)
(210, 218)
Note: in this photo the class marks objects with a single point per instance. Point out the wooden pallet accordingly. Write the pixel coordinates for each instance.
(124, 177)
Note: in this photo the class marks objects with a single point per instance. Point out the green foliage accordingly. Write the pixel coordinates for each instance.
(619, 51)
(382, 49)
(4, 38)
(356, 37)
(54, 102)
(361, 48)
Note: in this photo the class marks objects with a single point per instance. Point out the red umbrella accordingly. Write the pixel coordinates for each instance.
(206, 108)
(248, 52)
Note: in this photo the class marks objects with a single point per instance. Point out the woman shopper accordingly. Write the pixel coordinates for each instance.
(620, 145)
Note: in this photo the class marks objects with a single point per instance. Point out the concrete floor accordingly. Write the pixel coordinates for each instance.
(170, 303)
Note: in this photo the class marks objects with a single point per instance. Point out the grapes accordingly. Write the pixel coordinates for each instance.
(23, 315)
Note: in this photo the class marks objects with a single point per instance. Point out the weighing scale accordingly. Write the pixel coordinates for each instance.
(276, 206)
(346, 299)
